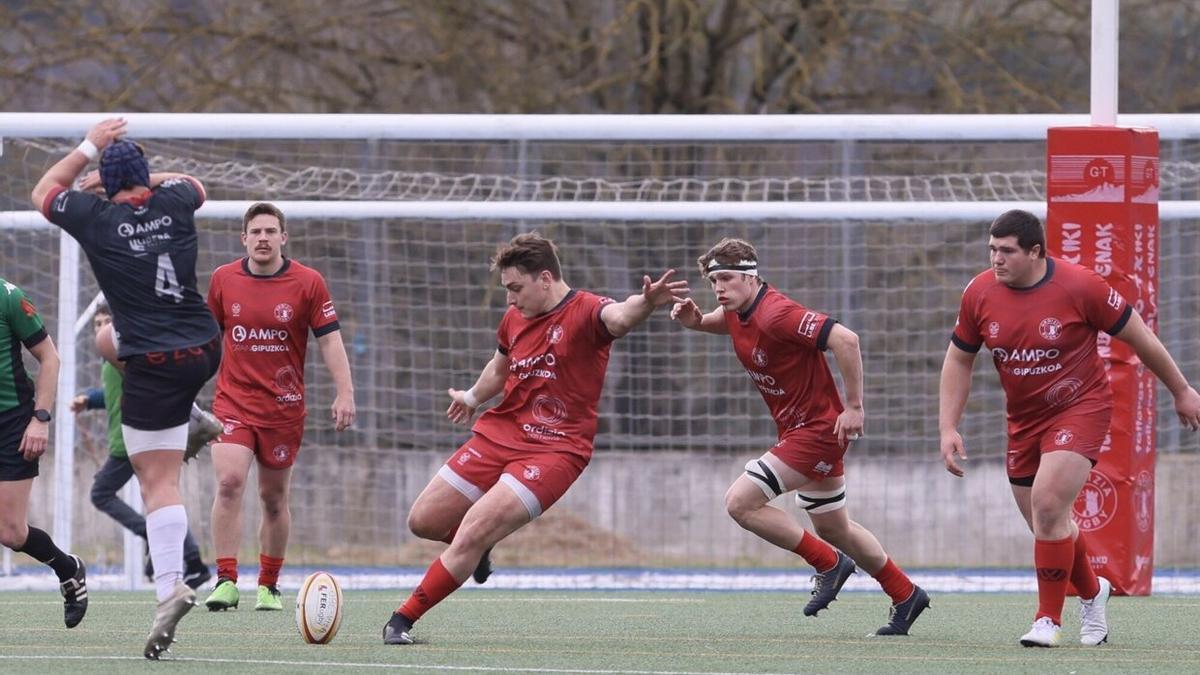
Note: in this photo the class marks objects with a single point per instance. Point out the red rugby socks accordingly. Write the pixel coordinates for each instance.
(894, 582)
(437, 584)
(816, 552)
(1054, 561)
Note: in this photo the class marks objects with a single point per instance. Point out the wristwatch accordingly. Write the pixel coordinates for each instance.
(41, 415)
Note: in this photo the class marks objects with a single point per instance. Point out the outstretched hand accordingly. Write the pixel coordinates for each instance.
(687, 313)
(104, 133)
(459, 412)
(664, 291)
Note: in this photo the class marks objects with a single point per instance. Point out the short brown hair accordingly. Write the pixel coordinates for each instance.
(531, 253)
(260, 209)
(728, 251)
(1024, 226)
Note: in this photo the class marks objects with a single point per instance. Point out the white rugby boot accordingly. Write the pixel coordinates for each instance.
(1093, 620)
(1045, 633)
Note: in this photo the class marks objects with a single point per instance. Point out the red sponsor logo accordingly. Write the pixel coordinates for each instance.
(28, 308)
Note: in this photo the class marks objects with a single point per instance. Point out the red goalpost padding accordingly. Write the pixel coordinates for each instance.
(1102, 192)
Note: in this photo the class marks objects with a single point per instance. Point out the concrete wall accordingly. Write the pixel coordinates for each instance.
(641, 509)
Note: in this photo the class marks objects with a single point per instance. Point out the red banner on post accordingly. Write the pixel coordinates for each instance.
(1102, 192)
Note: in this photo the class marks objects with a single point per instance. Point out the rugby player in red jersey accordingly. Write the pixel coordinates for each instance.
(266, 304)
(1040, 317)
(780, 343)
(524, 453)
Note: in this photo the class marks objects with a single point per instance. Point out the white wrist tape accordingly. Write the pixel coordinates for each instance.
(89, 149)
(469, 398)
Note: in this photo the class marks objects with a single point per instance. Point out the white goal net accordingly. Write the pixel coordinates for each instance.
(679, 417)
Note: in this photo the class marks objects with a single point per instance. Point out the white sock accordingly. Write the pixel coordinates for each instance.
(166, 529)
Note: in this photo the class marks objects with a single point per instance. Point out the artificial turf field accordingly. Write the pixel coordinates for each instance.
(605, 632)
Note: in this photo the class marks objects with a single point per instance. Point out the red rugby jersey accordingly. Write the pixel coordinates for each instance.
(265, 322)
(1043, 339)
(556, 367)
(781, 343)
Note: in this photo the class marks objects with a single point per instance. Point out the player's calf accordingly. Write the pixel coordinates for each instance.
(484, 569)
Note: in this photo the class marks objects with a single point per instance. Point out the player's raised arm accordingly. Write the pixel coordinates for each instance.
(688, 314)
(622, 317)
(66, 170)
(490, 382)
(1151, 351)
(952, 400)
(843, 342)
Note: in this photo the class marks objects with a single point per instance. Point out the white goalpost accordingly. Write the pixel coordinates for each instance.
(876, 219)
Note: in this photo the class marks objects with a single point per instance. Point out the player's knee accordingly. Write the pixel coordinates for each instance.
(101, 496)
(274, 504)
(425, 527)
(831, 531)
(12, 535)
(1046, 512)
(739, 506)
(230, 486)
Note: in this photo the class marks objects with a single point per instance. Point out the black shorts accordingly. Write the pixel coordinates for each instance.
(160, 386)
(12, 429)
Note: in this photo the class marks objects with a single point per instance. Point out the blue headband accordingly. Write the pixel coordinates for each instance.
(123, 166)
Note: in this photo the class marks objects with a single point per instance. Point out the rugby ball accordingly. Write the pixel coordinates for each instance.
(319, 608)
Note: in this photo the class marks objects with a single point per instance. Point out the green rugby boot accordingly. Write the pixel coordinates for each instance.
(224, 596)
(269, 599)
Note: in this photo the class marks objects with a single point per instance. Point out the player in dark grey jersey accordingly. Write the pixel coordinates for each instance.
(141, 242)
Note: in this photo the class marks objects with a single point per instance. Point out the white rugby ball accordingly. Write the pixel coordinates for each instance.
(319, 608)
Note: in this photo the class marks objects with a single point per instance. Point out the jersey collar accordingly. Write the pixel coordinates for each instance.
(561, 303)
(762, 292)
(287, 262)
(1043, 281)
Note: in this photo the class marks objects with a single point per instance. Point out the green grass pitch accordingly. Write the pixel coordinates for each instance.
(605, 633)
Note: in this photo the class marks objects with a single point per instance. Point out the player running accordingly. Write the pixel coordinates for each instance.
(779, 342)
(1040, 316)
(142, 244)
(266, 304)
(523, 455)
(24, 434)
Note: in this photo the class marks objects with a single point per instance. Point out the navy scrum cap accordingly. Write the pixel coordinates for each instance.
(122, 166)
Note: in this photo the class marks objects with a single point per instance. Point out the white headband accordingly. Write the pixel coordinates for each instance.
(744, 266)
